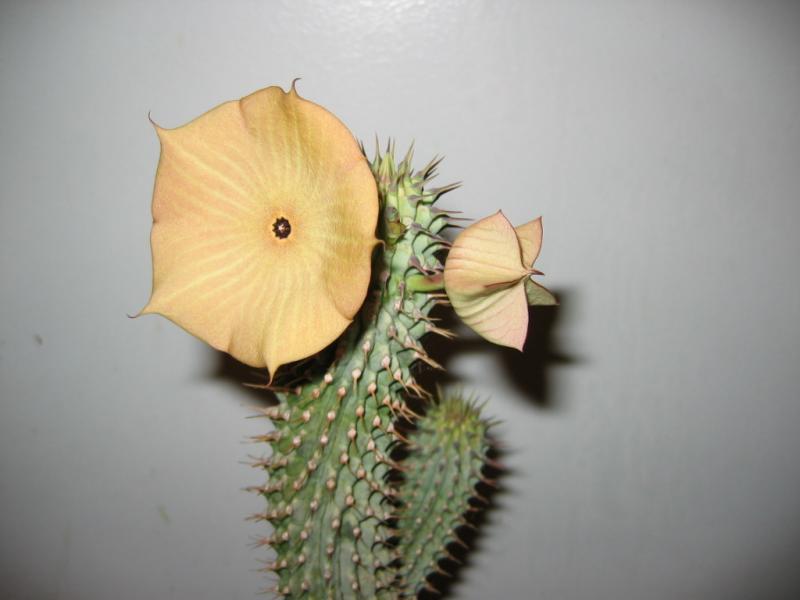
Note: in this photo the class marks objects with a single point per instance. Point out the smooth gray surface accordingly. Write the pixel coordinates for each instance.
(661, 142)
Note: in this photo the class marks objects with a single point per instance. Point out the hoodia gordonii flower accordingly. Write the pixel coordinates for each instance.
(264, 216)
(488, 278)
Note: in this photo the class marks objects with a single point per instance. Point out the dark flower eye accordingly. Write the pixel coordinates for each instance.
(281, 228)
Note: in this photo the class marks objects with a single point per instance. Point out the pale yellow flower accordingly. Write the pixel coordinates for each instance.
(264, 216)
(488, 278)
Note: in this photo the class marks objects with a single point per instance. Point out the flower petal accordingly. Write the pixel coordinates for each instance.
(530, 241)
(485, 254)
(224, 183)
(501, 317)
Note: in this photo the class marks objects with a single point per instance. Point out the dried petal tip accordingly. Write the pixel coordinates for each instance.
(264, 215)
(487, 277)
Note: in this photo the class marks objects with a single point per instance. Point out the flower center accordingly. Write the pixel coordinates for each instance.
(281, 228)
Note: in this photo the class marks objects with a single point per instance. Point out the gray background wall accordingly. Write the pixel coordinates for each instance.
(653, 437)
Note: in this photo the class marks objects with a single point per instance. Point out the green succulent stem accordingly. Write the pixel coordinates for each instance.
(447, 454)
(339, 518)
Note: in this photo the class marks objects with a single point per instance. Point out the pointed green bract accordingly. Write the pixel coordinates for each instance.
(538, 295)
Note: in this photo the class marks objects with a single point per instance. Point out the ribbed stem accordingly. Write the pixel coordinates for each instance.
(448, 452)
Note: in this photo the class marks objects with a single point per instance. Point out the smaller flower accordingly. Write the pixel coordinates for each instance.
(488, 278)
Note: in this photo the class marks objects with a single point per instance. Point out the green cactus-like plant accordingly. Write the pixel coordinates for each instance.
(369, 474)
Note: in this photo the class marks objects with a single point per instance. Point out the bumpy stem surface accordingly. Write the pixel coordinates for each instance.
(448, 451)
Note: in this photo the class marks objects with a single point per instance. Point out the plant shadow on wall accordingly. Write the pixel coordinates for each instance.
(530, 373)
